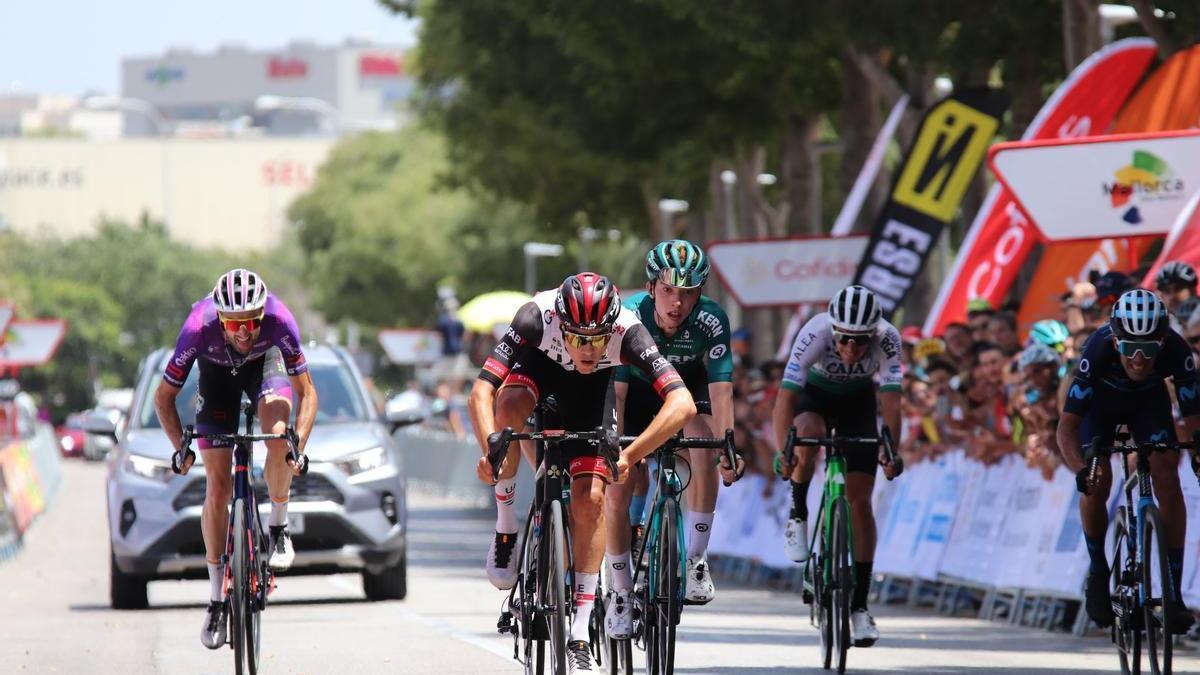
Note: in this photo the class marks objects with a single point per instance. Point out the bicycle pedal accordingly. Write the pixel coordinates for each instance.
(807, 596)
(506, 624)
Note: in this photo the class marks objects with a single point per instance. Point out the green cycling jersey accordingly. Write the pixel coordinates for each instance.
(703, 336)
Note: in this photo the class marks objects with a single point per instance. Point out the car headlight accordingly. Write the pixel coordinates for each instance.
(147, 467)
(372, 458)
(67, 443)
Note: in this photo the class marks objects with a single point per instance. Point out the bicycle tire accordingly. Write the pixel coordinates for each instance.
(240, 591)
(842, 588)
(667, 592)
(255, 593)
(533, 649)
(1126, 635)
(554, 587)
(821, 605)
(1157, 623)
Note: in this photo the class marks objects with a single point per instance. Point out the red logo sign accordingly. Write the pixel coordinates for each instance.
(380, 65)
(278, 68)
(287, 173)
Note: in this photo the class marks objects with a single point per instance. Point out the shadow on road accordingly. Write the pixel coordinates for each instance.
(99, 607)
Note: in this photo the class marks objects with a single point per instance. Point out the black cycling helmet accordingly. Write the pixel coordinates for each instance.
(1176, 272)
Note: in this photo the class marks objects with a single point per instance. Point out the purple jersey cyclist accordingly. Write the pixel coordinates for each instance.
(246, 342)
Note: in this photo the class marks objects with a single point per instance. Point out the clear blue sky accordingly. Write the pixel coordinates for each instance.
(71, 47)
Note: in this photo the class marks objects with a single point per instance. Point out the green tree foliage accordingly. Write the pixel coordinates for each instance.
(123, 291)
(380, 233)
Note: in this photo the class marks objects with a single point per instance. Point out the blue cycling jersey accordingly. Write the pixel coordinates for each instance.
(1100, 369)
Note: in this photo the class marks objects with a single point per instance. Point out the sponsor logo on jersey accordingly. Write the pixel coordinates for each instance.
(502, 349)
(1189, 364)
(890, 344)
(843, 369)
(658, 364)
(1081, 393)
(547, 316)
(710, 321)
(652, 349)
(1187, 392)
(1085, 365)
(717, 352)
(185, 356)
(495, 367)
(514, 336)
(1158, 436)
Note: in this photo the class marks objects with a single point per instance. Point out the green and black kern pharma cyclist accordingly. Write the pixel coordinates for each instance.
(692, 333)
(830, 381)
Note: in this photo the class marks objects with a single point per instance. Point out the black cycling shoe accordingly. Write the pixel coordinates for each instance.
(579, 657)
(1182, 618)
(1099, 601)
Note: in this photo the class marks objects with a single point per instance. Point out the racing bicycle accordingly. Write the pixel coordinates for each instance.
(248, 578)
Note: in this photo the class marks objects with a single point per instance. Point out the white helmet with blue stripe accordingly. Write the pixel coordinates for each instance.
(1139, 314)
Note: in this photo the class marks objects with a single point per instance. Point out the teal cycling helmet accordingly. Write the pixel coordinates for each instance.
(1049, 332)
(677, 262)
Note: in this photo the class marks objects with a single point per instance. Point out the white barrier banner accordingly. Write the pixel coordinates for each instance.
(1191, 545)
(943, 499)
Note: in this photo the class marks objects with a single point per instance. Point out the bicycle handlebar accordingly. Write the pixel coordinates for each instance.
(1096, 452)
(680, 442)
(884, 439)
(180, 458)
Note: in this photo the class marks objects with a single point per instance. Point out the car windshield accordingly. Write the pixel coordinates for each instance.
(338, 398)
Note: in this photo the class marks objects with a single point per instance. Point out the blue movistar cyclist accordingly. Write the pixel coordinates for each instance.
(1121, 380)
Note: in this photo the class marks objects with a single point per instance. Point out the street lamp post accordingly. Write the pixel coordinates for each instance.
(152, 113)
(589, 234)
(667, 209)
(271, 102)
(533, 251)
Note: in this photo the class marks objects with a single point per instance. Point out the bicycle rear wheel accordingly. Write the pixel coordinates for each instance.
(256, 592)
(1156, 617)
(1126, 634)
(666, 593)
(238, 595)
(553, 587)
(841, 590)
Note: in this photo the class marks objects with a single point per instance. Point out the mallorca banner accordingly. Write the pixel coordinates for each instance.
(950, 145)
(1126, 185)
(1000, 240)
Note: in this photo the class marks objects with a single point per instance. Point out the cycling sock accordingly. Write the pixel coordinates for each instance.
(800, 499)
(637, 510)
(862, 585)
(216, 578)
(506, 515)
(699, 528)
(620, 567)
(1095, 547)
(585, 597)
(278, 515)
(1175, 562)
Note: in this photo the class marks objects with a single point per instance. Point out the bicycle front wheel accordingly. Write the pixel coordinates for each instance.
(256, 591)
(1126, 632)
(553, 590)
(841, 589)
(1157, 618)
(239, 609)
(666, 593)
(532, 636)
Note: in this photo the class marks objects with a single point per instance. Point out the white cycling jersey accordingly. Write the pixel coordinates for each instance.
(814, 359)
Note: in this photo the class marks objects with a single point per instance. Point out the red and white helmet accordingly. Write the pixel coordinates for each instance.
(239, 290)
(587, 302)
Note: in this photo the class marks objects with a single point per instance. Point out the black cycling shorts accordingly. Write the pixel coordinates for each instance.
(851, 413)
(1146, 412)
(642, 403)
(580, 403)
(219, 392)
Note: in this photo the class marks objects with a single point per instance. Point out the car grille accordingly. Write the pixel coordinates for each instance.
(311, 487)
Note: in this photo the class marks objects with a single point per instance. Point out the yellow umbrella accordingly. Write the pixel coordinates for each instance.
(483, 312)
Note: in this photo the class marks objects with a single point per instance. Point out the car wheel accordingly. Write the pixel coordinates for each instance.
(126, 591)
(389, 584)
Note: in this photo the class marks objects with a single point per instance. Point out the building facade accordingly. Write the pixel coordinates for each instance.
(312, 89)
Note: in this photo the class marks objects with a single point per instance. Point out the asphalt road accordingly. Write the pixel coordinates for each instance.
(56, 617)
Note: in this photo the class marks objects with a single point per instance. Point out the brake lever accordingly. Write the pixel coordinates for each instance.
(732, 456)
(183, 458)
(788, 455)
(497, 449)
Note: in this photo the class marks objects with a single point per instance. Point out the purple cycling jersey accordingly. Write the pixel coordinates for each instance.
(203, 337)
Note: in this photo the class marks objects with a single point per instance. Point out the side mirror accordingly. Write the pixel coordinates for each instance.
(100, 424)
(402, 418)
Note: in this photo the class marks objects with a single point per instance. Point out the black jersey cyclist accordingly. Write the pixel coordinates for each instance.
(1120, 380)
(565, 344)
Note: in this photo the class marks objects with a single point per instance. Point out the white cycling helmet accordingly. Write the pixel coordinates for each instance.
(1139, 315)
(854, 310)
(239, 290)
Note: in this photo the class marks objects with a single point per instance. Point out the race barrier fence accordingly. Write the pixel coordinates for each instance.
(29, 472)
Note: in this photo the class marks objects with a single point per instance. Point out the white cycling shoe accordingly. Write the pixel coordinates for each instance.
(212, 633)
(618, 615)
(699, 588)
(501, 564)
(863, 632)
(795, 540)
(282, 551)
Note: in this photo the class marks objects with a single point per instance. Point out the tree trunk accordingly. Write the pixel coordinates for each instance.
(1155, 28)
(801, 179)
(1081, 30)
(861, 120)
